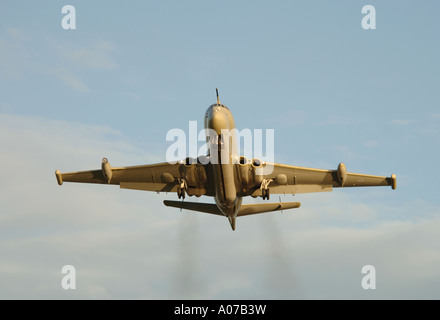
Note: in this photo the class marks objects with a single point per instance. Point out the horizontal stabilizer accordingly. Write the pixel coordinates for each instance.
(195, 206)
(248, 209)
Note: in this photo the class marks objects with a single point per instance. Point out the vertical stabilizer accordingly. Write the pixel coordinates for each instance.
(232, 222)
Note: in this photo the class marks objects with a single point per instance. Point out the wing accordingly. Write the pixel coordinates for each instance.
(160, 177)
(285, 179)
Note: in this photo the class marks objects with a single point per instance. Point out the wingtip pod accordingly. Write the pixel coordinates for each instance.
(59, 177)
(393, 181)
(342, 173)
(106, 170)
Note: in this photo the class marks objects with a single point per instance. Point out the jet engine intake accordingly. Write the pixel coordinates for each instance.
(244, 169)
(257, 166)
(256, 162)
(189, 161)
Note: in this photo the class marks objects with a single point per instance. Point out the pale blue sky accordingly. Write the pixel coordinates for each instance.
(129, 73)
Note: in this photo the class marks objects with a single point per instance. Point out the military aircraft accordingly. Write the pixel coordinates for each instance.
(225, 175)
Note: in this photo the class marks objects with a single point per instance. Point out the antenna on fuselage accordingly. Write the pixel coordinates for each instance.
(218, 99)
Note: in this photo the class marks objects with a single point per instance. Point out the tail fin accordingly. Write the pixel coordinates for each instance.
(232, 222)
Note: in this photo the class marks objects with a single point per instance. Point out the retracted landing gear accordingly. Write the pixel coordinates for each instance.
(264, 187)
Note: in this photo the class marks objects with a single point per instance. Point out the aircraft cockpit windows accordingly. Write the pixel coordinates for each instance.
(219, 105)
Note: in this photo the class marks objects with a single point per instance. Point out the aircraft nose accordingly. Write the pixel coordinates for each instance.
(218, 121)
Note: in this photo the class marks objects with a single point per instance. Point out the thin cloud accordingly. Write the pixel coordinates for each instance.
(92, 56)
(69, 79)
(65, 61)
(15, 55)
(97, 56)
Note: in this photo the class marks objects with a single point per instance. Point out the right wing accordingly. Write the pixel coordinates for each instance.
(286, 179)
(161, 177)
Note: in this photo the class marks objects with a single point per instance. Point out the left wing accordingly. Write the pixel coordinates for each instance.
(161, 177)
(285, 179)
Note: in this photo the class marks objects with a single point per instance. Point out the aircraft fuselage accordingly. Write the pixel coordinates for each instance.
(223, 153)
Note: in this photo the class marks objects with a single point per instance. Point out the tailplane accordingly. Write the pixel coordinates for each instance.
(245, 209)
(194, 206)
(248, 209)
